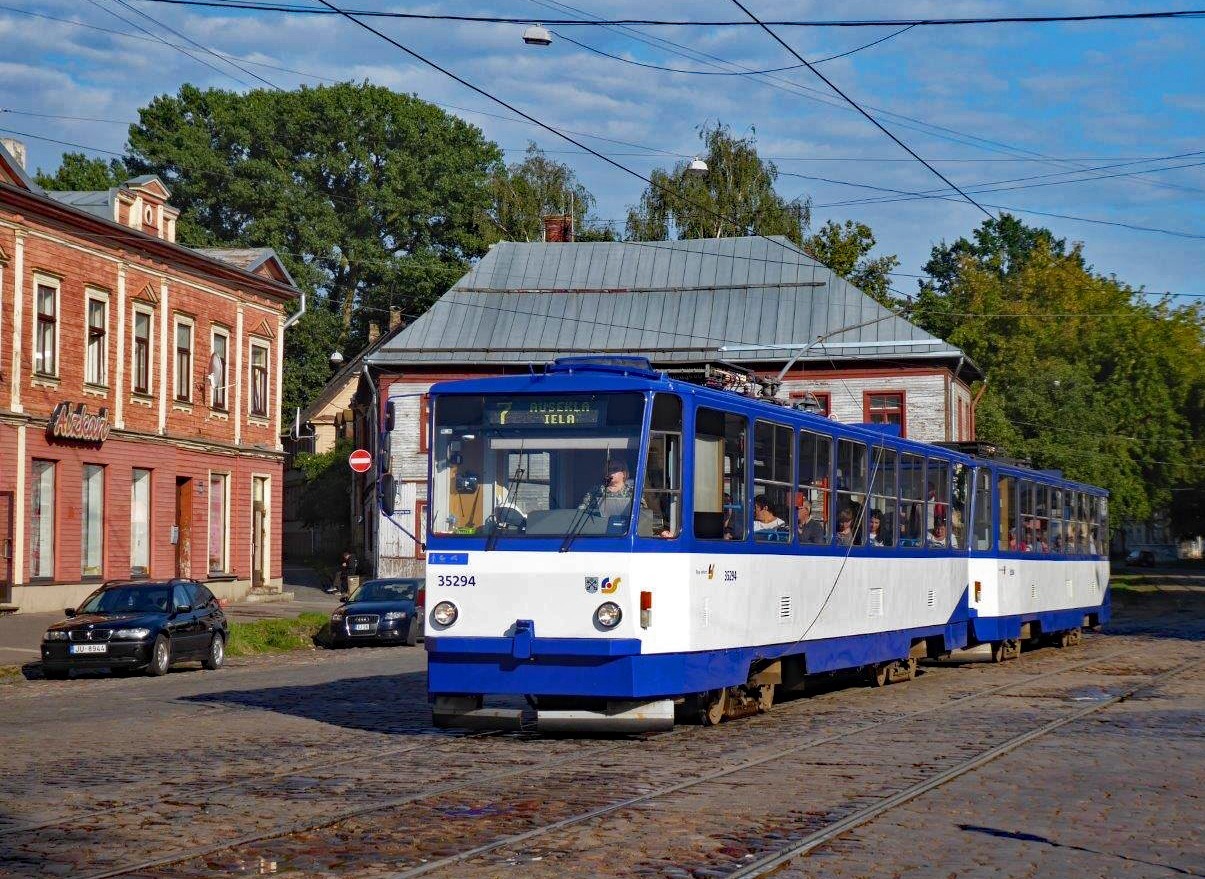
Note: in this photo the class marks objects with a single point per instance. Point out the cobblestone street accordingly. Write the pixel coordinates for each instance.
(325, 764)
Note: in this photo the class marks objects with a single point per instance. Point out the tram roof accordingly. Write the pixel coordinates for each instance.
(745, 300)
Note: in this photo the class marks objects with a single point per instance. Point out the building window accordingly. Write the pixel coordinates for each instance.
(259, 380)
(96, 359)
(217, 522)
(183, 361)
(884, 408)
(140, 523)
(41, 521)
(45, 357)
(93, 542)
(142, 351)
(217, 370)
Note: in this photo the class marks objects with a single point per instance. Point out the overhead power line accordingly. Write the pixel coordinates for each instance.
(658, 22)
(648, 66)
(858, 107)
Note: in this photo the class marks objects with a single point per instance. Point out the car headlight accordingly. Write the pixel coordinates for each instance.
(53, 635)
(337, 616)
(395, 615)
(608, 615)
(131, 634)
(444, 613)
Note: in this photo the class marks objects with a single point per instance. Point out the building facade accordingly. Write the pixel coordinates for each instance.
(139, 398)
(758, 304)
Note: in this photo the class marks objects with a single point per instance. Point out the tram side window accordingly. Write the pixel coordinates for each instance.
(1006, 491)
(851, 492)
(1102, 518)
(960, 501)
(880, 518)
(1041, 512)
(937, 493)
(1071, 501)
(983, 509)
(813, 510)
(661, 511)
(1026, 533)
(1054, 531)
(719, 480)
(910, 522)
(772, 454)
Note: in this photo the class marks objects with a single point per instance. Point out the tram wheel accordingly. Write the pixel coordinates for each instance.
(880, 674)
(1003, 651)
(765, 698)
(715, 707)
(1069, 638)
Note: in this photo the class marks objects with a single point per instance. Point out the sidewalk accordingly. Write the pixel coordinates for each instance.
(21, 633)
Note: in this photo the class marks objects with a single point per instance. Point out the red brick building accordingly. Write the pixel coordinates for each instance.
(139, 397)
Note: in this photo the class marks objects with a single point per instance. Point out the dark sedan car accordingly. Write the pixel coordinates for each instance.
(144, 624)
(380, 611)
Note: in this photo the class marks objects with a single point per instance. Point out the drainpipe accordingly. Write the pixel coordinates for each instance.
(296, 316)
(950, 382)
(975, 406)
(370, 521)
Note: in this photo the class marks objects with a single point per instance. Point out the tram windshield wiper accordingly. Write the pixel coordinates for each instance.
(511, 488)
(584, 515)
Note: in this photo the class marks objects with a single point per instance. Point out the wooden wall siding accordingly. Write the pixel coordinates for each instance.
(924, 400)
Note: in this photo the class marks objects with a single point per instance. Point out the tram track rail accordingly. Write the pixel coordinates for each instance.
(483, 781)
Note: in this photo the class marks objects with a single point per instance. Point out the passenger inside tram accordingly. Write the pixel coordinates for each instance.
(845, 530)
(767, 525)
(811, 531)
(874, 529)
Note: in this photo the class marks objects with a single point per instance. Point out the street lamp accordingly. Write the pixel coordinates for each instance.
(336, 358)
(537, 35)
(697, 168)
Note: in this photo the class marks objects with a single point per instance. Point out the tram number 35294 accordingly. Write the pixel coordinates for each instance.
(456, 580)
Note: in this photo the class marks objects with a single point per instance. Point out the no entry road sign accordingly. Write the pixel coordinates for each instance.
(360, 461)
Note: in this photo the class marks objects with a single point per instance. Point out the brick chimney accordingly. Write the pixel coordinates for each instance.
(16, 149)
(374, 332)
(558, 227)
(395, 317)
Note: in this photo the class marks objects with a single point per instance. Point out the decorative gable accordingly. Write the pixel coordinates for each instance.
(148, 294)
(264, 330)
(150, 187)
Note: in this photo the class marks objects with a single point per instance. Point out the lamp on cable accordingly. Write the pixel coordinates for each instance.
(537, 35)
(697, 168)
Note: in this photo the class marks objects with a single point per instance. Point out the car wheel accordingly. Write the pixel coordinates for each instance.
(161, 657)
(56, 674)
(217, 654)
(412, 633)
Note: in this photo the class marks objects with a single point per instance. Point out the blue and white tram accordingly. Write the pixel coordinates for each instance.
(611, 543)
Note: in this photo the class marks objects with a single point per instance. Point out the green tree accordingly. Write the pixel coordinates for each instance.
(526, 192)
(845, 248)
(363, 192)
(79, 173)
(736, 196)
(1085, 374)
(308, 347)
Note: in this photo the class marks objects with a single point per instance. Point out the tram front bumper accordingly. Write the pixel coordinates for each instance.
(618, 716)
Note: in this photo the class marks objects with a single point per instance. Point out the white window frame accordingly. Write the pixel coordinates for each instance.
(85, 545)
(57, 285)
(216, 331)
(178, 321)
(253, 343)
(150, 501)
(150, 349)
(91, 295)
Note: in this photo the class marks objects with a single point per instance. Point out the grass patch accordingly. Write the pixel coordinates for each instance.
(275, 636)
(10, 674)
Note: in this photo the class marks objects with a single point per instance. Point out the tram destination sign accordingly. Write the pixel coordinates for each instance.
(545, 412)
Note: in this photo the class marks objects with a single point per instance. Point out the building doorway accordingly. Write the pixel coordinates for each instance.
(6, 547)
(259, 531)
(182, 529)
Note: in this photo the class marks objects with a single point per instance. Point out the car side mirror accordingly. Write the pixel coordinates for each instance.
(343, 600)
(69, 611)
(182, 608)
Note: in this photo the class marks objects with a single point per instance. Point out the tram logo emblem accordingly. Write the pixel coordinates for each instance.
(711, 572)
(610, 586)
(591, 585)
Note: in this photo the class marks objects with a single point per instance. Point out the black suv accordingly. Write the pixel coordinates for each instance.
(140, 624)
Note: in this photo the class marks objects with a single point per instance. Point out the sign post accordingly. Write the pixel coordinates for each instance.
(360, 461)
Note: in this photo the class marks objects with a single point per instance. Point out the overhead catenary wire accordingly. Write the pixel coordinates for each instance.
(702, 23)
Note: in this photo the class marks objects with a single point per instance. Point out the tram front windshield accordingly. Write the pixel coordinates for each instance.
(535, 466)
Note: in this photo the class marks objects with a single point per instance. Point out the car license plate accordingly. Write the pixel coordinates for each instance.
(362, 627)
(89, 648)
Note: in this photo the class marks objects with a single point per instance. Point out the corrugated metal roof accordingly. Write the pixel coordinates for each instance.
(739, 299)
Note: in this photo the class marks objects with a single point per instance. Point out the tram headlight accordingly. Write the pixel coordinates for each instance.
(608, 615)
(444, 613)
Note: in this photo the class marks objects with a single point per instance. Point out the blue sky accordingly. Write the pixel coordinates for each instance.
(1012, 101)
